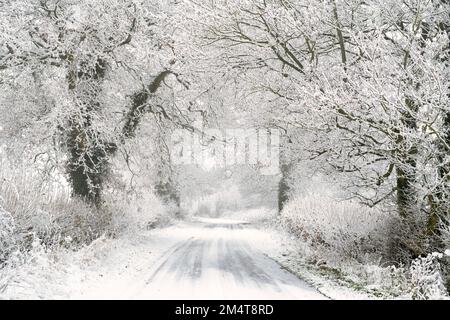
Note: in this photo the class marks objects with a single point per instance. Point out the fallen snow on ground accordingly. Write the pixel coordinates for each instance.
(288, 254)
(199, 259)
(102, 270)
(218, 261)
(285, 249)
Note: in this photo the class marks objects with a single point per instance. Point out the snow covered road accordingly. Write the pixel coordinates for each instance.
(218, 259)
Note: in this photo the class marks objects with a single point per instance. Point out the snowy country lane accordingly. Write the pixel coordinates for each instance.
(219, 262)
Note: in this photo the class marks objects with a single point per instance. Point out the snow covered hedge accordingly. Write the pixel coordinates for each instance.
(42, 228)
(426, 278)
(7, 239)
(337, 231)
(136, 212)
(344, 236)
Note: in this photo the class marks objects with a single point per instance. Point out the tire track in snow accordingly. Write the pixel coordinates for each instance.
(219, 264)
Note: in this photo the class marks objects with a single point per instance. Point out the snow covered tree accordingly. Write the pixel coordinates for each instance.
(365, 81)
(100, 65)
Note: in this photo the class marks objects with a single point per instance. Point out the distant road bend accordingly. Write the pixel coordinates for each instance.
(218, 263)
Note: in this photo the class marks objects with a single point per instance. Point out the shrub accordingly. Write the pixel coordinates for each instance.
(338, 230)
(358, 241)
(7, 238)
(134, 211)
(391, 279)
(426, 278)
(43, 208)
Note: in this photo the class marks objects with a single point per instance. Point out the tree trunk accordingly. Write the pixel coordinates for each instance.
(88, 162)
(439, 203)
(166, 188)
(405, 193)
(88, 153)
(405, 240)
(283, 186)
(167, 192)
(406, 169)
(139, 106)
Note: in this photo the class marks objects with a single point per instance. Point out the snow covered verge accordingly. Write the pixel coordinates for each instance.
(341, 248)
(98, 269)
(104, 269)
(51, 243)
(112, 266)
